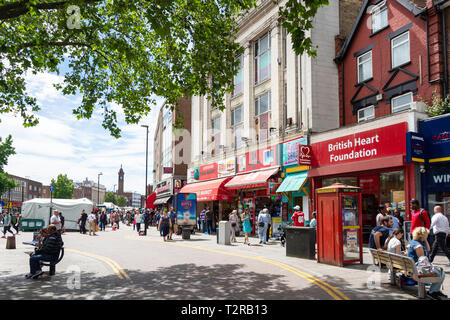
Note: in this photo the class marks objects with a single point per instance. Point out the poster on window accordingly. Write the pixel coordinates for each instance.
(352, 240)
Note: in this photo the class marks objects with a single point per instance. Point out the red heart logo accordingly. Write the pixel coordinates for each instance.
(305, 150)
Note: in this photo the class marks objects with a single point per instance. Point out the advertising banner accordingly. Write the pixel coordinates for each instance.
(290, 151)
(258, 159)
(208, 171)
(415, 147)
(371, 144)
(304, 155)
(437, 137)
(438, 178)
(186, 209)
(227, 167)
(193, 175)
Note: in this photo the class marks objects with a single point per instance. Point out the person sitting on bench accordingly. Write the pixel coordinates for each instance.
(49, 251)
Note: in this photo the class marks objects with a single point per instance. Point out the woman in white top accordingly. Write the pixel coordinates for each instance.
(137, 218)
(393, 243)
(234, 220)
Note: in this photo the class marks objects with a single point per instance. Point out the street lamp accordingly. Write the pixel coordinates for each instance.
(146, 164)
(115, 188)
(98, 189)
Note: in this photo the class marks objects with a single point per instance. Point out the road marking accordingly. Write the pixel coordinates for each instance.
(332, 291)
(114, 265)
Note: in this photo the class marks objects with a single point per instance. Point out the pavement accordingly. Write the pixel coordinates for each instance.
(123, 265)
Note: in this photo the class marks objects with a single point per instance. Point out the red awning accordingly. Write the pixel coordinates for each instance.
(251, 180)
(150, 199)
(363, 165)
(209, 190)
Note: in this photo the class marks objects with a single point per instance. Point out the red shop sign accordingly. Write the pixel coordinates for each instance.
(372, 144)
(304, 155)
(208, 171)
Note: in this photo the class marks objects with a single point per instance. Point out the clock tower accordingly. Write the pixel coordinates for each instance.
(121, 174)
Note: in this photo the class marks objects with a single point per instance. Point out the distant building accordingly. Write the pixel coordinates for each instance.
(90, 190)
(27, 189)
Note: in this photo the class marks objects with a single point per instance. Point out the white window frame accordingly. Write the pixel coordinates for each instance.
(363, 63)
(377, 11)
(232, 116)
(213, 128)
(240, 69)
(237, 142)
(401, 107)
(398, 45)
(366, 118)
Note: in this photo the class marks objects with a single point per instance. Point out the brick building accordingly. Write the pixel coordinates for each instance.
(27, 189)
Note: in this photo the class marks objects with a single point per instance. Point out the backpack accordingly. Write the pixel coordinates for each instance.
(424, 266)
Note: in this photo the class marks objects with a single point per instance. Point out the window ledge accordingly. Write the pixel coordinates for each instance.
(262, 82)
(234, 96)
(378, 31)
(400, 66)
(360, 83)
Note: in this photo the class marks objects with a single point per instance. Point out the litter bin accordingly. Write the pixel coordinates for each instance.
(300, 242)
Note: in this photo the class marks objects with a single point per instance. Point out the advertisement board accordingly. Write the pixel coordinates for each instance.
(226, 167)
(367, 145)
(437, 138)
(186, 209)
(290, 151)
(258, 159)
(304, 155)
(415, 147)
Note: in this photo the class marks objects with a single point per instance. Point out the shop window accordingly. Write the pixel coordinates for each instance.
(350, 181)
(392, 189)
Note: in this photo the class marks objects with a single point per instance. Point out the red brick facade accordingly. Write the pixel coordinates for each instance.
(388, 81)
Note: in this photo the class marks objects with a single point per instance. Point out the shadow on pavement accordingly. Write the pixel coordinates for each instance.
(182, 281)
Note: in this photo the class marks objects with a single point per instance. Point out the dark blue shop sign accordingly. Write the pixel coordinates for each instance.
(436, 132)
(438, 178)
(415, 147)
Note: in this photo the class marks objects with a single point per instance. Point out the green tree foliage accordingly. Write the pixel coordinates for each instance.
(126, 52)
(63, 187)
(6, 150)
(437, 106)
(110, 197)
(121, 201)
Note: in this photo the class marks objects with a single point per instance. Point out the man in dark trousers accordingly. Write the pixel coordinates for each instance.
(440, 227)
(48, 252)
(83, 220)
(146, 221)
(208, 218)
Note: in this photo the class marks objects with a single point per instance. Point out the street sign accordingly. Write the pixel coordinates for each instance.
(52, 188)
(304, 155)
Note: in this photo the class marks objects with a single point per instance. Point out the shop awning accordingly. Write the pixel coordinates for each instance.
(211, 190)
(151, 201)
(162, 200)
(293, 182)
(251, 180)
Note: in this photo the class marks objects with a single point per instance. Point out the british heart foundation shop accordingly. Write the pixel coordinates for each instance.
(372, 160)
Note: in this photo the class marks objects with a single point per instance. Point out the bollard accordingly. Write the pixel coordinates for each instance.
(11, 242)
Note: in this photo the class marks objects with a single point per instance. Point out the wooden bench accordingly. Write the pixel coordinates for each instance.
(406, 266)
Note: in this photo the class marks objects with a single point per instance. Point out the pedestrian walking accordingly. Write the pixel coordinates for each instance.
(117, 220)
(419, 217)
(103, 221)
(202, 220)
(82, 221)
(209, 220)
(440, 227)
(269, 224)
(164, 225)
(234, 220)
(15, 222)
(263, 222)
(61, 217)
(56, 220)
(92, 221)
(137, 219)
(6, 224)
(173, 221)
(247, 224)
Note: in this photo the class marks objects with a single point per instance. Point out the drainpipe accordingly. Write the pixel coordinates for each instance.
(444, 45)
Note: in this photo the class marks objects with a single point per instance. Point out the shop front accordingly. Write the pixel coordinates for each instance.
(164, 195)
(295, 186)
(435, 168)
(256, 183)
(373, 160)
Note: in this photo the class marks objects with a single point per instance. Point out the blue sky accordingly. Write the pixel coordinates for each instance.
(79, 148)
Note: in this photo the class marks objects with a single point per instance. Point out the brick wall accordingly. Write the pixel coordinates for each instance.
(447, 20)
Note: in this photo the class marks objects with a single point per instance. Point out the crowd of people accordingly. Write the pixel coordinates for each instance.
(389, 235)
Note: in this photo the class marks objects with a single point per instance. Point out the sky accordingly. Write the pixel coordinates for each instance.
(61, 144)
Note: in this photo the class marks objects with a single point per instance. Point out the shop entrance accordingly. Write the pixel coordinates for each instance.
(369, 214)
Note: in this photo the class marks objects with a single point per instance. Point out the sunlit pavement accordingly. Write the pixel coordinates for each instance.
(122, 265)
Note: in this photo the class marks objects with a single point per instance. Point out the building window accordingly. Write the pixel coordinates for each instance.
(365, 67)
(366, 114)
(262, 58)
(238, 79)
(262, 104)
(236, 116)
(215, 125)
(400, 50)
(402, 102)
(30, 187)
(379, 17)
(392, 189)
(237, 131)
(284, 48)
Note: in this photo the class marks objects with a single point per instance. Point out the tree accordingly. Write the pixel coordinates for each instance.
(63, 187)
(122, 201)
(6, 150)
(124, 52)
(110, 197)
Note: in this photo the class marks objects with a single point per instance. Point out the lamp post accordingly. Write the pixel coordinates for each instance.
(115, 188)
(146, 164)
(98, 188)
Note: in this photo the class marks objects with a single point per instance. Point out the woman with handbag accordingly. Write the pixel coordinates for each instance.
(247, 224)
(262, 225)
(233, 218)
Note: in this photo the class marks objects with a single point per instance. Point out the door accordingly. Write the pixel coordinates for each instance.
(369, 214)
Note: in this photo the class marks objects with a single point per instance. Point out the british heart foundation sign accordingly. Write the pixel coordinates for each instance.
(371, 144)
(304, 155)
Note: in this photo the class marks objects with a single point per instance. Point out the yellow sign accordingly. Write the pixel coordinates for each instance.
(398, 196)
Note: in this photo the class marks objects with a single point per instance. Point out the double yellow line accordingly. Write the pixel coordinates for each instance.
(114, 265)
(329, 289)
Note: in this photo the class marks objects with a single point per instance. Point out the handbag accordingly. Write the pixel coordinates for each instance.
(261, 224)
(233, 224)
